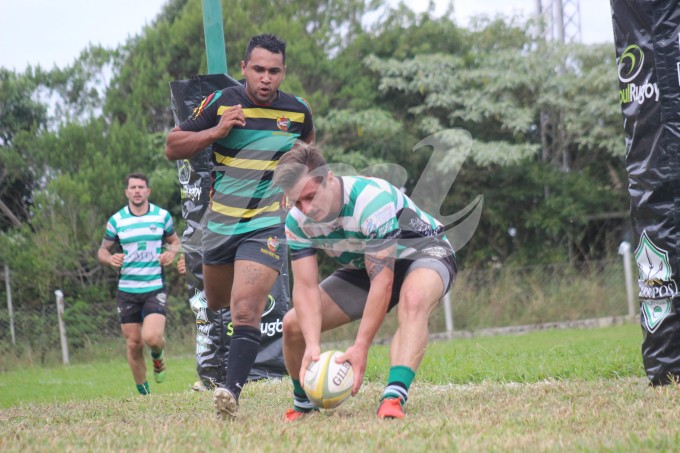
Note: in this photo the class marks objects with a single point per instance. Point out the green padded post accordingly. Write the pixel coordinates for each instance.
(215, 49)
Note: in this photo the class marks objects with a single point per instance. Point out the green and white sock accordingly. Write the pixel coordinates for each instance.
(398, 383)
(300, 401)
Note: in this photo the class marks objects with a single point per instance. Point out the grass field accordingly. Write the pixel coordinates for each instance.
(549, 390)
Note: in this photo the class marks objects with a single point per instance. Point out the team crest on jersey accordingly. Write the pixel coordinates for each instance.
(272, 243)
(283, 123)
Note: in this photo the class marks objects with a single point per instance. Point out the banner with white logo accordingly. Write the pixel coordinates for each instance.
(647, 40)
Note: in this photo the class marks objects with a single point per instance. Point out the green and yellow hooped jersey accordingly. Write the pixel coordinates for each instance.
(243, 198)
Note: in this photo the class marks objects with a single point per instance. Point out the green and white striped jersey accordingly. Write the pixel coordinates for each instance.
(141, 238)
(374, 213)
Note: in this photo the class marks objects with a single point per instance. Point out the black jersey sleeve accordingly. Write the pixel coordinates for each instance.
(205, 115)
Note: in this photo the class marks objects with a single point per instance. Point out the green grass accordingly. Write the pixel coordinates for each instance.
(547, 390)
(553, 354)
(89, 381)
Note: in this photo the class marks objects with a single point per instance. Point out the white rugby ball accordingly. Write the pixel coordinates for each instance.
(326, 383)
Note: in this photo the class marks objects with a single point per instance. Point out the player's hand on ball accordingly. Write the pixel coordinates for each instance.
(311, 355)
(357, 356)
(328, 382)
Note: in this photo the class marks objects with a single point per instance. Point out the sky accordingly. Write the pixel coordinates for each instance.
(54, 32)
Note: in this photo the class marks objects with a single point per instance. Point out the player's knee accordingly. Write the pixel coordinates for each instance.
(134, 345)
(412, 303)
(155, 340)
(216, 302)
(245, 314)
(291, 326)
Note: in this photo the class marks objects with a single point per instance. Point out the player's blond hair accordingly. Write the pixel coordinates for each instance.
(302, 159)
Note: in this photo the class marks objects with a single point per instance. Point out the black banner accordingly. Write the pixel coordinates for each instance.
(647, 39)
(214, 329)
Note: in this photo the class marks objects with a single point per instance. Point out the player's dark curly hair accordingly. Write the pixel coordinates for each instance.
(268, 42)
(141, 176)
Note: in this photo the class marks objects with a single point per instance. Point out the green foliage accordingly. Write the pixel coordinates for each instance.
(173, 48)
(21, 116)
(77, 91)
(378, 87)
(546, 182)
(20, 111)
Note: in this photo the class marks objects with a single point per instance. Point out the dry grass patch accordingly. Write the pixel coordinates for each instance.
(618, 415)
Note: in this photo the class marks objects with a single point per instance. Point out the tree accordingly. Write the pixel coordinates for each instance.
(498, 94)
(173, 48)
(21, 116)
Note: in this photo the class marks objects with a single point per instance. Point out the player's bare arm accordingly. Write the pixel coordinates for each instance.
(375, 264)
(185, 144)
(104, 255)
(311, 137)
(380, 269)
(173, 247)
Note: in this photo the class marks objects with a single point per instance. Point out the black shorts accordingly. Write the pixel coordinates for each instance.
(348, 288)
(134, 307)
(266, 246)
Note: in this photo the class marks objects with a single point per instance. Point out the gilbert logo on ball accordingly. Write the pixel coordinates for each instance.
(328, 383)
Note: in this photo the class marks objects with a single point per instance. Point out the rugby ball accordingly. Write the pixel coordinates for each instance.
(327, 383)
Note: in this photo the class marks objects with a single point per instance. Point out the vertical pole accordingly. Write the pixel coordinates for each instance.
(624, 249)
(62, 327)
(213, 30)
(448, 316)
(559, 18)
(9, 306)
